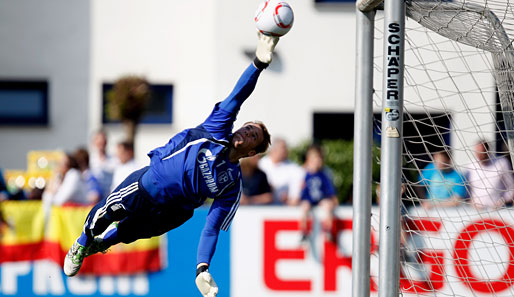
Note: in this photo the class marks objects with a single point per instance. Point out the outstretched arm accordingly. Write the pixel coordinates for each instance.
(246, 84)
(220, 122)
(244, 87)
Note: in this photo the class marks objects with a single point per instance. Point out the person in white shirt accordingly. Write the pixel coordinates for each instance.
(93, 188)
(284, 176)
(101, 163)
(67, 186)
(127, 164)
(490, 179)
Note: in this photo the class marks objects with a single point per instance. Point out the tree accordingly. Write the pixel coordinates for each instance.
(127, 101)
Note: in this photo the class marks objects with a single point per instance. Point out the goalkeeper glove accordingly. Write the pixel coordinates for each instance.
(205, 282)
(265, 46)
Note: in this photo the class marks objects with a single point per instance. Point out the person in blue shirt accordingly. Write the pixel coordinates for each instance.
(445, 186)
(195, 164)
(319, 190)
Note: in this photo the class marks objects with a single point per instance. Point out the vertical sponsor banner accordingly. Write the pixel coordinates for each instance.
(456, 251)
(44, 277)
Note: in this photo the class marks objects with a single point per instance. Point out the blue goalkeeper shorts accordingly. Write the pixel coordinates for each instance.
(134, 209)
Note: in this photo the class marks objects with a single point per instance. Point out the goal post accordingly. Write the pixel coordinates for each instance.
(442, 83)
(391, 149)
(363, 140)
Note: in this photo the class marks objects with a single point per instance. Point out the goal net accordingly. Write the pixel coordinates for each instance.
(458, 143)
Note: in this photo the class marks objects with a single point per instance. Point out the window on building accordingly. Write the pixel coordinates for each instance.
(24, 103)
(435, 130)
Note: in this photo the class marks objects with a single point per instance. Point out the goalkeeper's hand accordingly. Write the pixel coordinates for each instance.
(265, 46)
(205, 282)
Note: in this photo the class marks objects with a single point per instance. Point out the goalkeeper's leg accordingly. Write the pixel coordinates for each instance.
(99, 222)
(125, 200)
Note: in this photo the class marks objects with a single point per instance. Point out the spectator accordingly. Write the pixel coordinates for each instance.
(284, 176)
(101, 163)
(93, 189)
(10, 193)
(4, 193)
(411, 245)
(126, 165)
(319, 190)
(67, 185)
(35, 194)
(490, 179)
(403, 214)
(256, 189)
(445, 186)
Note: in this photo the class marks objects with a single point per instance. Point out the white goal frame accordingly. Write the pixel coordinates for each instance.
(392, 132)
(392, 114)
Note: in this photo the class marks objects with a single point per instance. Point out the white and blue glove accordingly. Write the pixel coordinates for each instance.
(205, 282)
(265, 47)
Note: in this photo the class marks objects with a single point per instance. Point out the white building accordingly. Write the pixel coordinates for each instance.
(198, 47)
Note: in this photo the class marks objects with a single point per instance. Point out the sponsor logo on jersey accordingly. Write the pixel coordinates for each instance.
(203, 156)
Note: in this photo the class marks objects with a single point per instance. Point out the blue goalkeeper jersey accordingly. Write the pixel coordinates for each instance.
(194, 165)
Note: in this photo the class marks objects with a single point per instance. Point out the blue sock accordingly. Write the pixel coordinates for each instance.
(84, 240)
(111, 237)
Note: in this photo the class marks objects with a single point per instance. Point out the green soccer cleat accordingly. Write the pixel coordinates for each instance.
(97, 246)
(74, 258)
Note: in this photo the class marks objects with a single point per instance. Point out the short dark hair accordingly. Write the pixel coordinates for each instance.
(82, 157)
(484, 143)
(127, 145)
(313, 147)
(72, 162)
(443, 153)
(264, 145)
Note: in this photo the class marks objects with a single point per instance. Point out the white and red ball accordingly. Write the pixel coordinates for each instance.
(274, 17)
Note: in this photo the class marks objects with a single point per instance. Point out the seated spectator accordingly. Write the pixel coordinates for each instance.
(319, 190)
(284, 176)
(445, 186)
(256, 189)
(67, 185)
(101, 163)
(404, 236)
(126, 165)
(490, 179)
(93, 189)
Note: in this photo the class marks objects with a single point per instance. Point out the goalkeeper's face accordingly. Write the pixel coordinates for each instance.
(247, 138)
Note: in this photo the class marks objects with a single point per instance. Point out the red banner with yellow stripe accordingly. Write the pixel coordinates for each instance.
(30, 234)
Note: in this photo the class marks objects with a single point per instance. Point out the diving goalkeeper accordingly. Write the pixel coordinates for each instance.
(195, 164)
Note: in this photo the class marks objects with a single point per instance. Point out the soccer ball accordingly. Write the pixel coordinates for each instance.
(274, 17)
